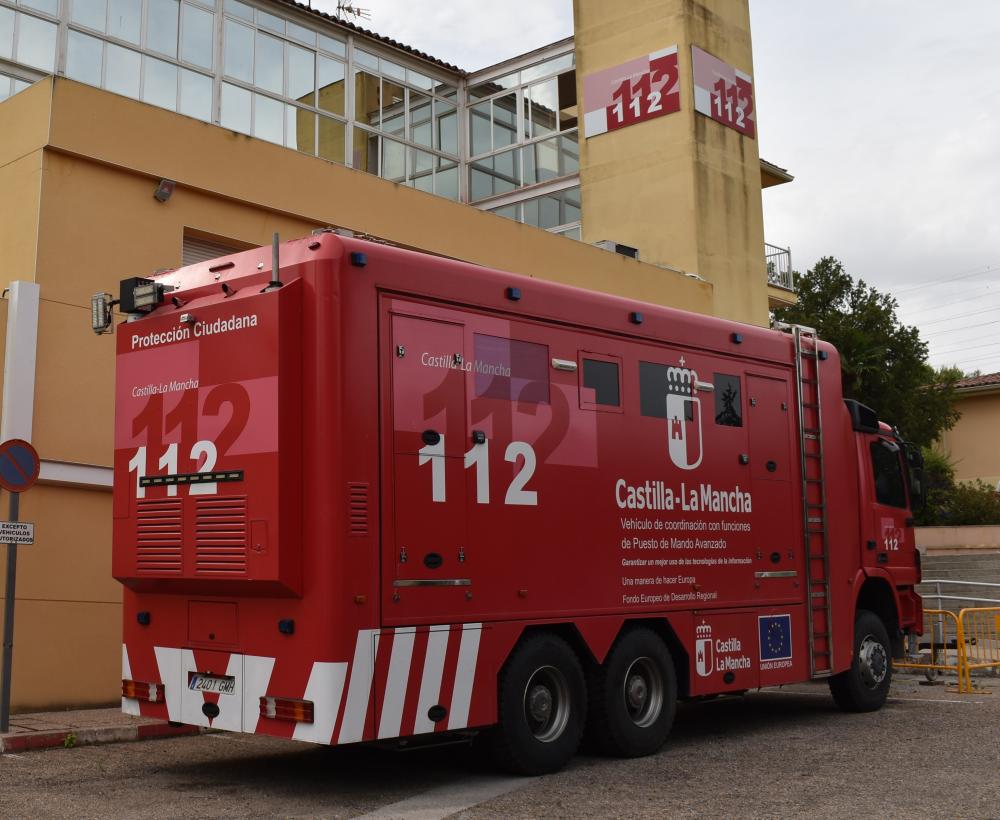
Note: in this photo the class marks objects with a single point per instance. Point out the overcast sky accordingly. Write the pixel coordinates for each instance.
(887, 113)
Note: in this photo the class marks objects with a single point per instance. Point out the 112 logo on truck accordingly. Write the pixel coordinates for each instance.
(400, 504)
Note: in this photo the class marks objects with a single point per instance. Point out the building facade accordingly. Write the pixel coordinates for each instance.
(270, 117)
(969, 444)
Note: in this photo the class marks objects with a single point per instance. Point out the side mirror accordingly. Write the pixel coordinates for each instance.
(915, 473)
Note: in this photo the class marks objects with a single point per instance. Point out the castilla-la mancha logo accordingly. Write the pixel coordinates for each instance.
(683, 417)
(703, 649)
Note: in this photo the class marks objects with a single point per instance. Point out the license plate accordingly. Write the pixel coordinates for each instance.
(210, 683)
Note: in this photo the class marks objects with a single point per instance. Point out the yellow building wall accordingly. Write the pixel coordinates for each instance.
(78, 168)
(971, 444)
(682, 188)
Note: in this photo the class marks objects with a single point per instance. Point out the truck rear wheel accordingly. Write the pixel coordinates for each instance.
(542, 702)
(865, 686)
(633, 696)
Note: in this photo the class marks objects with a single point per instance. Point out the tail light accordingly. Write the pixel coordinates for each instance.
(300, 711)
(151, 692)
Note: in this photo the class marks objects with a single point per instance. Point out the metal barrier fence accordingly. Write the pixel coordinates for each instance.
(956, 642)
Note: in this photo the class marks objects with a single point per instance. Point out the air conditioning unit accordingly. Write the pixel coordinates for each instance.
(617, 247)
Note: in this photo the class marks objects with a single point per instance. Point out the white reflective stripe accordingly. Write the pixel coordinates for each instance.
(168, 662)
(359, 693)
(130, 706)
(430, 684)
(399, 677)
(468, 653)
(325, 689)
(256, 676)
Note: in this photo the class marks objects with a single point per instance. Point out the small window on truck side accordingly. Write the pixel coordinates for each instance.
(600, 382)
(888, 473)
(728, 403)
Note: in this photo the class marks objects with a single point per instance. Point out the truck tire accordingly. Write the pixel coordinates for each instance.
(633, 696)
(865, 686)
(542, 702)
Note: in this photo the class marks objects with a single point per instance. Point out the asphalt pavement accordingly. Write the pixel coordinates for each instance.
(788, 752)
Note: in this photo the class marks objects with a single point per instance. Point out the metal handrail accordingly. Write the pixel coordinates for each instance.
(954, 582)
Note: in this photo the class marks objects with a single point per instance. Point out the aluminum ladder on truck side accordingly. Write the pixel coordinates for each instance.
(814, 513)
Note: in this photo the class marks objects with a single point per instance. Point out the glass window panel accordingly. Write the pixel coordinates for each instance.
(300, 33)
(90, 13)
(570, 205)
(20, 85)
(393, 97)
(83, 58)
(364, 151)
(444, 90)
(160, 83)
(301, 75)
(479, 127)
(268, 116)
(446, 182)
(419, 80)
(332, 138)
(300, 129)
(424, 183)
(6, 84)
(36, 43)
(235, 113)
(122, 72)
(552, 66)
(6, 34)
(447, 127)
(421, 162)
(390, 69)
(546, 159)
(569, 155)
(196, 95)
(421, 128)
(508, 212)
(363, 58)
(572, 233)
(331, 86)
(47, 6)
(366, 97)
(196, 36)
(332, 45)
(504, 120)
(270, 21)
(161, 26)
(542, 101)
(393, 160)
(238, 9)
(125, 19)
(493, 86)
(269, 64)
(238, 58)
(480, 184)
(602, 378)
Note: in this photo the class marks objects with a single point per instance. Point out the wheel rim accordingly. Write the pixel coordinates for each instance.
(873, 662)
(546, 704)
(643, 692)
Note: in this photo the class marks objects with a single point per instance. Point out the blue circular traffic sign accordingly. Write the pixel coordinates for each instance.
(19, 465)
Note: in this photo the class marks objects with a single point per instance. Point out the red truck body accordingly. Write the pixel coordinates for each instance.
(340, 504)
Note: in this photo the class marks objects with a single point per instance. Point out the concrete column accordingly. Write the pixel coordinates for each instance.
(682, 188)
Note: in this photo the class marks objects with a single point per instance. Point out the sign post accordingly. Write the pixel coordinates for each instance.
(19, 465)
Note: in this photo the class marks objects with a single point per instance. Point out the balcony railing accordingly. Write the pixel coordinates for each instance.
(779, 266)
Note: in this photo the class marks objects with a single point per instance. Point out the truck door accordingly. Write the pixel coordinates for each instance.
(891, 542)
(424, 567)
(776, 564)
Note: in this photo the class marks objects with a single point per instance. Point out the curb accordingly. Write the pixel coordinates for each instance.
(70, 738)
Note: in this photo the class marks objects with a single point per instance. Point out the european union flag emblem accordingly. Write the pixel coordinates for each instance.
(775, 637)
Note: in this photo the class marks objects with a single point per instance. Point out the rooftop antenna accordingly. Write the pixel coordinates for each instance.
(347, 8)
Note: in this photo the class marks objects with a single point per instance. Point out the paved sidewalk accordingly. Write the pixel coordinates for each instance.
(82, 727)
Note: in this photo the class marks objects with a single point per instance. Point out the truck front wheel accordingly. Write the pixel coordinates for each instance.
(865, 686)
(542, 702)
(633, 696)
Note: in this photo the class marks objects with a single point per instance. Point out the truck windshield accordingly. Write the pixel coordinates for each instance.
(888, 471)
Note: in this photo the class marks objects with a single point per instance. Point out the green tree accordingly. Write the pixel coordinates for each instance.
(884, 362)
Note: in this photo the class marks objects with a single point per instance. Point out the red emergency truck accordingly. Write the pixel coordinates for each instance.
(365, 493)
